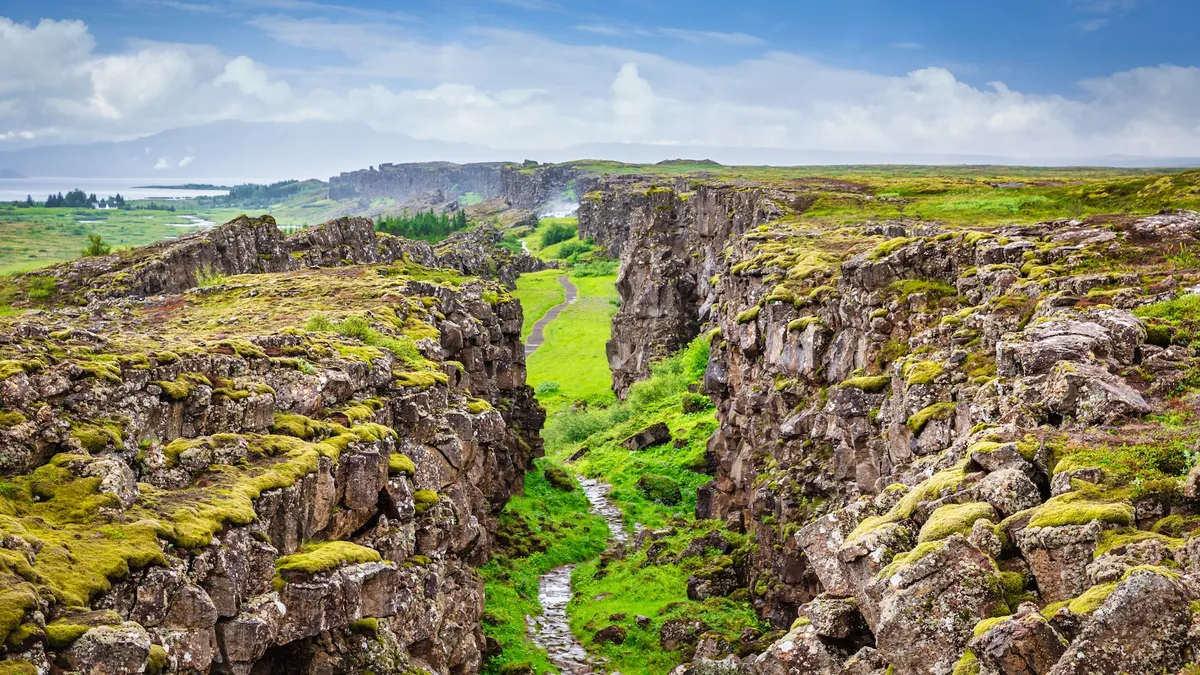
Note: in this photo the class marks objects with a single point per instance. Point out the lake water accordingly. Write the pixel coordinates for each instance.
(12, 189)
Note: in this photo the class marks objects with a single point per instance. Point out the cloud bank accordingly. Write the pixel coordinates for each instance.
(510, 89)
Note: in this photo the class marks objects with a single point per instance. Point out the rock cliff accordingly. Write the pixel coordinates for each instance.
(955, 449)
(524, 187)
(242, 452)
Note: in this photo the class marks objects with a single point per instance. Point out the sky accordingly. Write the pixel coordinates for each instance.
(1023, 78)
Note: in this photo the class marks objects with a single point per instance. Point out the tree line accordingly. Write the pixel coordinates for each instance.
(424, 225)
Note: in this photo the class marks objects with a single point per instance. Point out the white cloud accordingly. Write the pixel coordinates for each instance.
(185, 161)
(523, 91)
(161, 164)
(709, 36)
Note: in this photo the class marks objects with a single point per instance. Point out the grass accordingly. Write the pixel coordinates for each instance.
(573, 354)
(538, 293)
(560, 524)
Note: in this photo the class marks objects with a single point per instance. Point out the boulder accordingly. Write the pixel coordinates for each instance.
(834, 617)
(652, 435)
(678, 633)
(1091, 395)
(930, 602)
(110, 650)
(1058, 557)
(612, 634)
(1009, 491)
(1142, 627)
(1020, 645)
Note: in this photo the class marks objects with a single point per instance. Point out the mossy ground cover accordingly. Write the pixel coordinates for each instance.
(540, 530)
(538, 293)
(572, 357)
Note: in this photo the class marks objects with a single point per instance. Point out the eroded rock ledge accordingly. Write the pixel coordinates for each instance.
(956, 450)
(292, 468)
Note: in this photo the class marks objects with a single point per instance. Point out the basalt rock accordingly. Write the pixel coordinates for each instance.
(939, 424)
(252, 475)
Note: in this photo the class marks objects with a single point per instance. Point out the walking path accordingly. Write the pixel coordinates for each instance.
(552, 630)
(536, 338)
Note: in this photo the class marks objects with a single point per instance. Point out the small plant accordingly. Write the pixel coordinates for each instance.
(209, 276)
(547, 388)
(96, 247)
(41, 288)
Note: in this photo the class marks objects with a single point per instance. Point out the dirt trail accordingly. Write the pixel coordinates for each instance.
(536, 338)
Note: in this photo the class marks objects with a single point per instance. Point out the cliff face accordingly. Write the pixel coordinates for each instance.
(924, 427)
(522, 187)
(282, 471)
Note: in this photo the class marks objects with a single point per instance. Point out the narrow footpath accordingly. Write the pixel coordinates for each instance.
(552, 630)
(536, 338)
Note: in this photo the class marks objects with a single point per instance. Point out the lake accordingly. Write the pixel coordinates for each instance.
(12, 189)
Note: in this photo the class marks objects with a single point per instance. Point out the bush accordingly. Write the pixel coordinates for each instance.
(547, 388)
(41, 288)
(96, 246)
(559, 479)
(596, 268)
(557, 232)
(574, 249)
(661, 489)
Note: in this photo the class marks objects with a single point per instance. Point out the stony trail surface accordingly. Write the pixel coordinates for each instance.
(552, 630)
(536, 337)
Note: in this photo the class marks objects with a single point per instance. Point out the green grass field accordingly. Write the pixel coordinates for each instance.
(538, 293)
(573, 356)
(35, 237)
(533, 240)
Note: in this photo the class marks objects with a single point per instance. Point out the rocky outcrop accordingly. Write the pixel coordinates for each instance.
(288, 471)
(524, 186)
(938, 423)
(478, 252)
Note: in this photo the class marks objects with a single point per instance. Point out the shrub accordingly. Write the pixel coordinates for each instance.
(96, 247)
(41, 288)
(209, 276)
(661, 489)
(547, 388)
(596, 268)
(557, 232)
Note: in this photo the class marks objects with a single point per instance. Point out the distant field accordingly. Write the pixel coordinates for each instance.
(573, 355)
(538, 293)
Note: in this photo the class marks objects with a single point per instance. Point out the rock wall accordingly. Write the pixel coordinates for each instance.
(286, 472)
(524, 187)
(882, 386)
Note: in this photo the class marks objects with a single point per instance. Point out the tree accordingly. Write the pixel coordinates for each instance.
(96, 246)
(29, 200)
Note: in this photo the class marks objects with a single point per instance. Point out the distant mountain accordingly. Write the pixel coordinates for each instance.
(264, 152)
(239, 151)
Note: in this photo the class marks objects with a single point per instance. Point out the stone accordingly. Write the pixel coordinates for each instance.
(1059, 557)
(1009, 491)
(1019, 645)
(678, 633)
(1141, 627)
(110, 650)
(1090, 394)
(612, 634)
(652, 435)
(834, 617)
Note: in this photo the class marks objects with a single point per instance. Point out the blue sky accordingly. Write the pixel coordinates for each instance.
(556, 72)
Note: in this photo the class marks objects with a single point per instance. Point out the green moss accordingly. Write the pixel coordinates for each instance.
(929, 489)
(869, 384)
(96, 437)
(157, 660)
(10, 418)
(182, 387)
(421, 380)
(746, 316)
(62, 632)
(242, 347)
(321, 557)
(17, 667)
(478, 405)
(954, 518)
(989, 623)
(888, 247)
(399, 464)
(905, 559)
(967, 665)
(1112, 538)
(921, 372)
(299, 426)
(937, 411)
(423, 500)
(879, 313)
(368, 627)
(1080, 508)
(802, 323)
